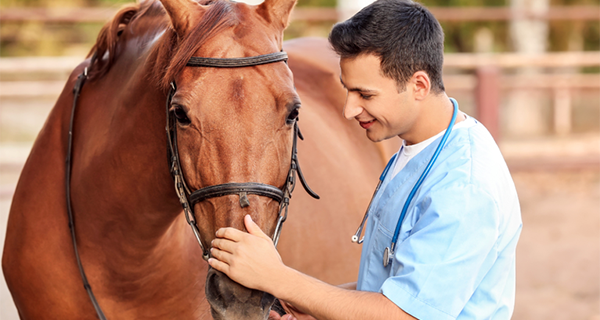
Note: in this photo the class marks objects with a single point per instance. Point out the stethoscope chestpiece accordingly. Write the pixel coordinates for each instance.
(387, 257)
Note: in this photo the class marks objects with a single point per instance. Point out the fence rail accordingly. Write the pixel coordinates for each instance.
(467, 61)
(76, 15)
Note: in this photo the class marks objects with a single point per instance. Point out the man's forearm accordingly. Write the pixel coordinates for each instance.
(324, 301)
(348, 286)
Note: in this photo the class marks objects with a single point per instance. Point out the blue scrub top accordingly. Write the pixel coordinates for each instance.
(455, 256)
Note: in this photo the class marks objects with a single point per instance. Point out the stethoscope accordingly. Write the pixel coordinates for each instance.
(388, 253)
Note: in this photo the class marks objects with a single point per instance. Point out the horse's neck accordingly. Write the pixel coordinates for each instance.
(122, 189)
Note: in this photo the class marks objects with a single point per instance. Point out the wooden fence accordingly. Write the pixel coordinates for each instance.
(485, 72)
(486, 76)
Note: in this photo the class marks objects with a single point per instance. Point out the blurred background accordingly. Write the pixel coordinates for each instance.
(528, 69)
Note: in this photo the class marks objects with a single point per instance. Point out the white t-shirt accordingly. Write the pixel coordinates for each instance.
(408, 152)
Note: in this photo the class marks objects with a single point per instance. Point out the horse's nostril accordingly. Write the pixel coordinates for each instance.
(214, 291)
(222, 288)
(228, 297)
(267, 300)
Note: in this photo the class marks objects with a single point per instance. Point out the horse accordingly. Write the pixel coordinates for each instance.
(226, 126)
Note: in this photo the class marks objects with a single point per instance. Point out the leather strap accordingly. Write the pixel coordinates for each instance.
(86, 285)
(237, 62)
(220, 190)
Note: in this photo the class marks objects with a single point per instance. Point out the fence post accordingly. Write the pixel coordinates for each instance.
(562, 110)
(487, 98)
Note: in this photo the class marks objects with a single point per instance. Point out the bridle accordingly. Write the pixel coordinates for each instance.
(187, 198)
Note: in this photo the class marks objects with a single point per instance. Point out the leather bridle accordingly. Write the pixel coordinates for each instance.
(187, 198)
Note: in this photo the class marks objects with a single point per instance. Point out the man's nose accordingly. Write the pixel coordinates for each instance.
(352, 108)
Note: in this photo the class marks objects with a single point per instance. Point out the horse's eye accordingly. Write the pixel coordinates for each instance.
(292, 116)
(181, 116)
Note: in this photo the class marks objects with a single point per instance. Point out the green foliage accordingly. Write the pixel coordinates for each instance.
(62, 3)
(32, 38)
(459, 35)
(316, 3)
(591, 34)
(563, 35)
(463, 3)
(36, 39)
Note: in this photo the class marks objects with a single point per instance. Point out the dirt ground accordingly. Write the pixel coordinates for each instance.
(558, 256)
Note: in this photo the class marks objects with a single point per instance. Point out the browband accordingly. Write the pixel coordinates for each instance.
(237, 62)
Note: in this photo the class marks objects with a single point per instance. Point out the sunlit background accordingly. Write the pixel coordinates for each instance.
(528, 69)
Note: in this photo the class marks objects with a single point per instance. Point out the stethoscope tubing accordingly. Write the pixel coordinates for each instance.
(358, 232)
(424, 174)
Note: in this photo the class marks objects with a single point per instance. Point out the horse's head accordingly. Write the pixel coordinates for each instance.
(232, 125)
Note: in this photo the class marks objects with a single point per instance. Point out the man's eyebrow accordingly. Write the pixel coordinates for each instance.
(356, 89)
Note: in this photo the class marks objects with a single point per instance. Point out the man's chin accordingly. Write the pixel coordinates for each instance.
(375, 137)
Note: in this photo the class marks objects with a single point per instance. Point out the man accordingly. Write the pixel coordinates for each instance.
(454, 257)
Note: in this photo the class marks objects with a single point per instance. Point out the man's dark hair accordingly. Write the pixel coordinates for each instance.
(403, 34)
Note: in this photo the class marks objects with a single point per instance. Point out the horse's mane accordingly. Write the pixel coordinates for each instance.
(106, 43)
(171, 52)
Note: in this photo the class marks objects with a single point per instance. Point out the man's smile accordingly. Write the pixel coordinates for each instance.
(366, 124)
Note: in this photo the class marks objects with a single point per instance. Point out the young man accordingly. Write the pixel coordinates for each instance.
(454, 256)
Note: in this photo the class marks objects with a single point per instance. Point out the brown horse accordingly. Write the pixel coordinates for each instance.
(233, 125)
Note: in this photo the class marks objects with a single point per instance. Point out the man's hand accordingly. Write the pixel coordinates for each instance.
(249, 259)
(275, 316)
(294, 313)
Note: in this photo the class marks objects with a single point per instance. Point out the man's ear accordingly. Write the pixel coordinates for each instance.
(421, 85)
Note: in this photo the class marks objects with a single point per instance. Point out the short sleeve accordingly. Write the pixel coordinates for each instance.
(439, 264)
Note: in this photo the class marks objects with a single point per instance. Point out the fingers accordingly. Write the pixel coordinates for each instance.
(223, 244)
(219, 265)
(253, 228)
(221, 255)
(230, 233)
(274, 315)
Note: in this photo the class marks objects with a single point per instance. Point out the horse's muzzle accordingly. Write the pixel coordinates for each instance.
(232, 301)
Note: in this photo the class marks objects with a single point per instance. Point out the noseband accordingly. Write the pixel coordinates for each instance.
(189, 199)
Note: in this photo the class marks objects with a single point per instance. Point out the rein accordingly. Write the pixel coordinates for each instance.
(187, 198)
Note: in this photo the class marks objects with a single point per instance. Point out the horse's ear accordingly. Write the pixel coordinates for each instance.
(277, 11)
(183, 14)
